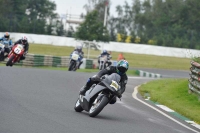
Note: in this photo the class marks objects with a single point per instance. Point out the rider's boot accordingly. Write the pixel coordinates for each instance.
(84, 89)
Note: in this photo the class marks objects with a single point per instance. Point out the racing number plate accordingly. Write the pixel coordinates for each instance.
(115, 85)
(74, 56)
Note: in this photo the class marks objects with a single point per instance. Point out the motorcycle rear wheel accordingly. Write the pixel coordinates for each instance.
(98, 106)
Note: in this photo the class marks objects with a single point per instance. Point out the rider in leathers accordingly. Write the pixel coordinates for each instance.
(121, 69)
(105, 52)
(7, 49)
(81, 55)
(23, 41)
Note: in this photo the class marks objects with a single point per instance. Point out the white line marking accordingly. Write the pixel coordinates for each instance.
(134, 95)
(165, 108)
(193, 124)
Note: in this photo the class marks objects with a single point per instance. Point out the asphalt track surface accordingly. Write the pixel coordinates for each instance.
(42, 101)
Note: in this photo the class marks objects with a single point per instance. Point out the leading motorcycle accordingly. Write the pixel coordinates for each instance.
(15, 54)
(99, 95)
(74, 61)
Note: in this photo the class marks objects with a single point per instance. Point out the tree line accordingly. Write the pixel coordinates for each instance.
(30, 16)
(173, 23)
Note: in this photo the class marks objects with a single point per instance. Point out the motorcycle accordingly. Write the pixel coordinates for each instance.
(99, 95)
(3, 45)
(103, 61)
(15, 54)
(1, 52)
(74, 61)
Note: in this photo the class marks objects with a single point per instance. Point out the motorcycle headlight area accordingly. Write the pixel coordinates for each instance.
(75, 56)
(18, 49)
(115, 85)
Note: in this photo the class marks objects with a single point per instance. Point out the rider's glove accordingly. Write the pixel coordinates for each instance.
(95, 78)
(119, 95)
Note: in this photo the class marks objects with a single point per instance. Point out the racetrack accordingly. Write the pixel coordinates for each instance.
(42, 101)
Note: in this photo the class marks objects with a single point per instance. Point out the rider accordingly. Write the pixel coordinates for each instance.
(23, 41)
(6, 37)
(121, 68)
(81, 54)
(105, 52)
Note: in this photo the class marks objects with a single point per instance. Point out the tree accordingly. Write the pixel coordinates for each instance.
(172, 23)
(98, 5)
(70, 32)
(92, 29)
(28, 16)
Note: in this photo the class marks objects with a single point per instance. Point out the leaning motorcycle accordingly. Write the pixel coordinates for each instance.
(74, 61)
(103, 61)
(3, 45)
(99, 95)
(15, 54)
(1, 52)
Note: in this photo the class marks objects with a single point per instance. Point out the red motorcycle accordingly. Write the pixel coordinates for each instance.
(15, 54)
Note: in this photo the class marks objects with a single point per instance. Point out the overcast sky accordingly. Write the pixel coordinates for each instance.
(76, 6)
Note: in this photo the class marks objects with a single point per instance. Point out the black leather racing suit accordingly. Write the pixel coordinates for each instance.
(109, 70)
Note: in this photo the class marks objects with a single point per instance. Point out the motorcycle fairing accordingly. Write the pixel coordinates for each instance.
(87, 99)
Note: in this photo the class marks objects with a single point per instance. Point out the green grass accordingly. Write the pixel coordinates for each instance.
(173, 93)
(135, 60)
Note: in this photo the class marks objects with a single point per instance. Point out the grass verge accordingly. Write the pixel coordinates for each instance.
(135, 60)
(173, 93)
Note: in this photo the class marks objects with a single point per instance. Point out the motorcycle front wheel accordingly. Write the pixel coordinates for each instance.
(77, 106)
(9, 62)
(71, 65)
(97, 106)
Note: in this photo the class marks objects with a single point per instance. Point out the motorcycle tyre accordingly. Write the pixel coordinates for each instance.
(71, 66)
(9, 62)
(103, 103)
(78, 107)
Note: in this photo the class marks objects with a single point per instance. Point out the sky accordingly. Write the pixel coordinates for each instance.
(75, 7)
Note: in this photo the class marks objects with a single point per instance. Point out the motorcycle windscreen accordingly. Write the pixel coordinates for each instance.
(112, 82)
(114, 76)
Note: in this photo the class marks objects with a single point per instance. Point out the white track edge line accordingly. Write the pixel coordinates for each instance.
(134, 95)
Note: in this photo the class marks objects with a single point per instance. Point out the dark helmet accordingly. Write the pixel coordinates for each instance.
(104, 52)
(7, 35)
(24, 39)
(122, 67)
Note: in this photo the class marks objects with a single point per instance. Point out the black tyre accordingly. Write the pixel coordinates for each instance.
(77, 106)
(104, 66)
(101, 66)
(9, 62)
(2, 56)
(98, 106)
(71, 66)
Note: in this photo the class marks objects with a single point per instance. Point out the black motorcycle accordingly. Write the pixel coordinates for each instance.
(99, 95)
